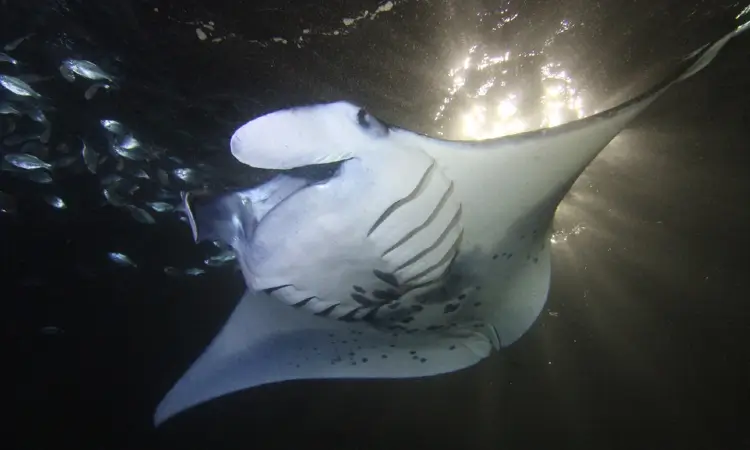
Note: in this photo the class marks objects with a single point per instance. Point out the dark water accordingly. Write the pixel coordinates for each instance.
(643, 343)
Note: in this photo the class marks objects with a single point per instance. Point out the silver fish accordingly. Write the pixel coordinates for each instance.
(128, 142)
(37, 115)
(10, 125)
(113, 198)
(18, 87)
(35, 148)
(66, 161)
(93, 89)
(44, 137)
(33, 78)
(8, 204)
(172, 271)
(140, 215)
(86, 69)
(55, 201)
(194, 271)
(163, 194)
(12, 45)
(8, 108)
(220, 259)
(160, 206)
(111, 179)
(27, 162)
(121, 259)
(187, 175)
(39, 176)
(90, 157)
(16, 139)
(140, 173)
(163, 177)
(113, 126)
(8, 59)
(8, 167)
(133, 154)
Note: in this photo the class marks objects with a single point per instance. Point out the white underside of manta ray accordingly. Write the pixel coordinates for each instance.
(419, 256)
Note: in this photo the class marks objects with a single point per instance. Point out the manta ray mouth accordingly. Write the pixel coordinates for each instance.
(233, 212)
(316, 173)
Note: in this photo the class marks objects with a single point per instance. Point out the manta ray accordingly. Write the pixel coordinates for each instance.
(416, 257)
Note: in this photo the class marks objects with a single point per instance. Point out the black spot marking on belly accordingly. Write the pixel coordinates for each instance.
(477, 303)
(435, 327)
(462, 296)
(415, 357)
(417, 308)
(452, 347)
(364, 360)
(509, 255)
(389, 295)
(407, 319)
(536, 260)
(494, 256)
(450, 307)
(412, 352)
(359, 289)
(384, 356)
(423, 360)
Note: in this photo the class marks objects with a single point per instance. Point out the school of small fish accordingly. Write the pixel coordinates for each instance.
(135, 176)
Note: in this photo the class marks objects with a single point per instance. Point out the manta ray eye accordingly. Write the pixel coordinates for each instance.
(370, 124)
(363, 118)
